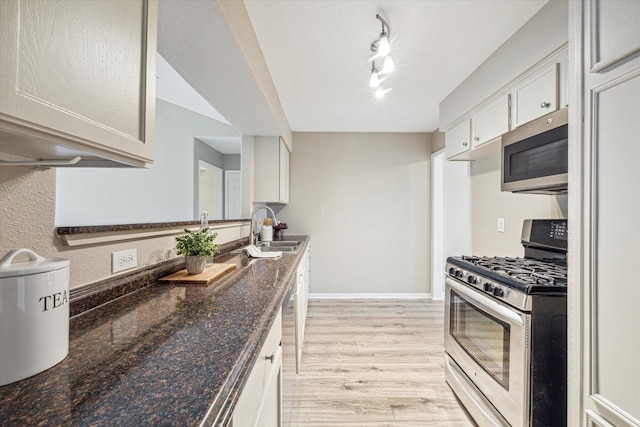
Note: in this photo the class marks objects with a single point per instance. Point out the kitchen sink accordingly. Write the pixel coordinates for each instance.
(291, 246)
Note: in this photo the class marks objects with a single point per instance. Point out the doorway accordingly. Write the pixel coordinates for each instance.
(210, 190)
(451, 216)
(437, 225)
(232, 194)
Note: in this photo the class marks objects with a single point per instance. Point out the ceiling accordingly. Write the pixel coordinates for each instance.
(171, 87)
(317, 53)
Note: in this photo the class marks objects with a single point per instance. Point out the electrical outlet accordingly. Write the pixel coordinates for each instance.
(124, 260)
(501, 225)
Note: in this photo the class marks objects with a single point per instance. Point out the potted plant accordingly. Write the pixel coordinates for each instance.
(197, 246)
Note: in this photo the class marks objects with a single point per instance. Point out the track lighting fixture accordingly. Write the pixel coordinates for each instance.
(382, 50)
(374, 81)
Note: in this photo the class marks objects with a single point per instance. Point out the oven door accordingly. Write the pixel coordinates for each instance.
(488, 341)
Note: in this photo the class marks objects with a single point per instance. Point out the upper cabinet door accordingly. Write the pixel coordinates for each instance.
(491, 122)
(78, 78)
(536, 97)
(616, 32)
(457, 139)
(284, 172)
(271, 170)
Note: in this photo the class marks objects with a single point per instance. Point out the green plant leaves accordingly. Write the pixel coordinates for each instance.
(197, 243)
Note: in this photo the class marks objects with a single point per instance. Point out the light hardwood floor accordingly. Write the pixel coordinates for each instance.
(374, 363)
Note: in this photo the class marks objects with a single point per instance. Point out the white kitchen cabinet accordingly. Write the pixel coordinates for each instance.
(490, 122)
(271, 170)
(260, 402)
(536, 96)
(284, 172)
(605, 182)
(301, 303)
(78, 79)
(458, 139)
(476, 138)
(536, 92)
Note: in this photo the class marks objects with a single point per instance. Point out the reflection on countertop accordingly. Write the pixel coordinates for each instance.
(164, 354)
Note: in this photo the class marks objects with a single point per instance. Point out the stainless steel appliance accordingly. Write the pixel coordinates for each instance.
(506, 331)
(535, 156)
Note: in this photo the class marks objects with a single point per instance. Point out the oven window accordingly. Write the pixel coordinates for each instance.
(482, 336)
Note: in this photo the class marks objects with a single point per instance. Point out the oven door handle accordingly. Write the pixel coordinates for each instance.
(487, 303)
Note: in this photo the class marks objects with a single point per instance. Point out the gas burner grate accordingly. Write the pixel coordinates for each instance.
(530, 272)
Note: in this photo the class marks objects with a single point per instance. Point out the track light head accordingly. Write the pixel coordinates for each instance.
(374, 80)
(384, 48)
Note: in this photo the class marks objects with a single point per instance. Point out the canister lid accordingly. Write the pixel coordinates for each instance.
(35, 265)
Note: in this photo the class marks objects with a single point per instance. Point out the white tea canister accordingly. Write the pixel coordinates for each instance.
(34, 314)
(266, 234)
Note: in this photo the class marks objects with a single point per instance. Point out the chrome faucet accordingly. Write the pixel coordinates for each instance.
(252, 237)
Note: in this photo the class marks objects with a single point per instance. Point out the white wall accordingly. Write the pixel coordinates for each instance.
(27, 205)
(162, 193)
(365, 200)
(246, 170)
(457, 209)
(195, 36)
(488, 203)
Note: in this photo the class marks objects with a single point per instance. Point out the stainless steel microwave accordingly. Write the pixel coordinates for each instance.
(535, 156)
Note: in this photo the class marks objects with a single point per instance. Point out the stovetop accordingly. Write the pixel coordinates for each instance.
(530, 276)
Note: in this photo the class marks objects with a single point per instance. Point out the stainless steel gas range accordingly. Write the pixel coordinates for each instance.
(506, 331)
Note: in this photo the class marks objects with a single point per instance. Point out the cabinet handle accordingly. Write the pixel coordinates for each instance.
(465, 143)
(477, 138)
(270, 358)
(545, 105)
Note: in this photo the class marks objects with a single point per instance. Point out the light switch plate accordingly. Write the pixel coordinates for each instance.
(124, 260)
(501, 225)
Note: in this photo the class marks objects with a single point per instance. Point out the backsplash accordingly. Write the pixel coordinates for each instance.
(488, 204)
(92, 295)
(27, 209)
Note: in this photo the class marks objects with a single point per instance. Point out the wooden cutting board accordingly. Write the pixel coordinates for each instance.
(211, 273)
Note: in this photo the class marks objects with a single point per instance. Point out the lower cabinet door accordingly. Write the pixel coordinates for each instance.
(260, 402)
(247, 410)
(270, 413)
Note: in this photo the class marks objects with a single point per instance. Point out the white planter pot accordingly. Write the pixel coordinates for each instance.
(195, 264)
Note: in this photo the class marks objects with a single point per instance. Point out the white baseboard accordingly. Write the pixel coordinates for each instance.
(370, 296)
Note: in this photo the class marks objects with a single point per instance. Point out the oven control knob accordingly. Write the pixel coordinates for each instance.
(488, 287)
(459, 273)
(452, 271)
(472, 279)
(498, 292)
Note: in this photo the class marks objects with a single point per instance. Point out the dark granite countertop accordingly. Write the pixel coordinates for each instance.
(163, 355)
